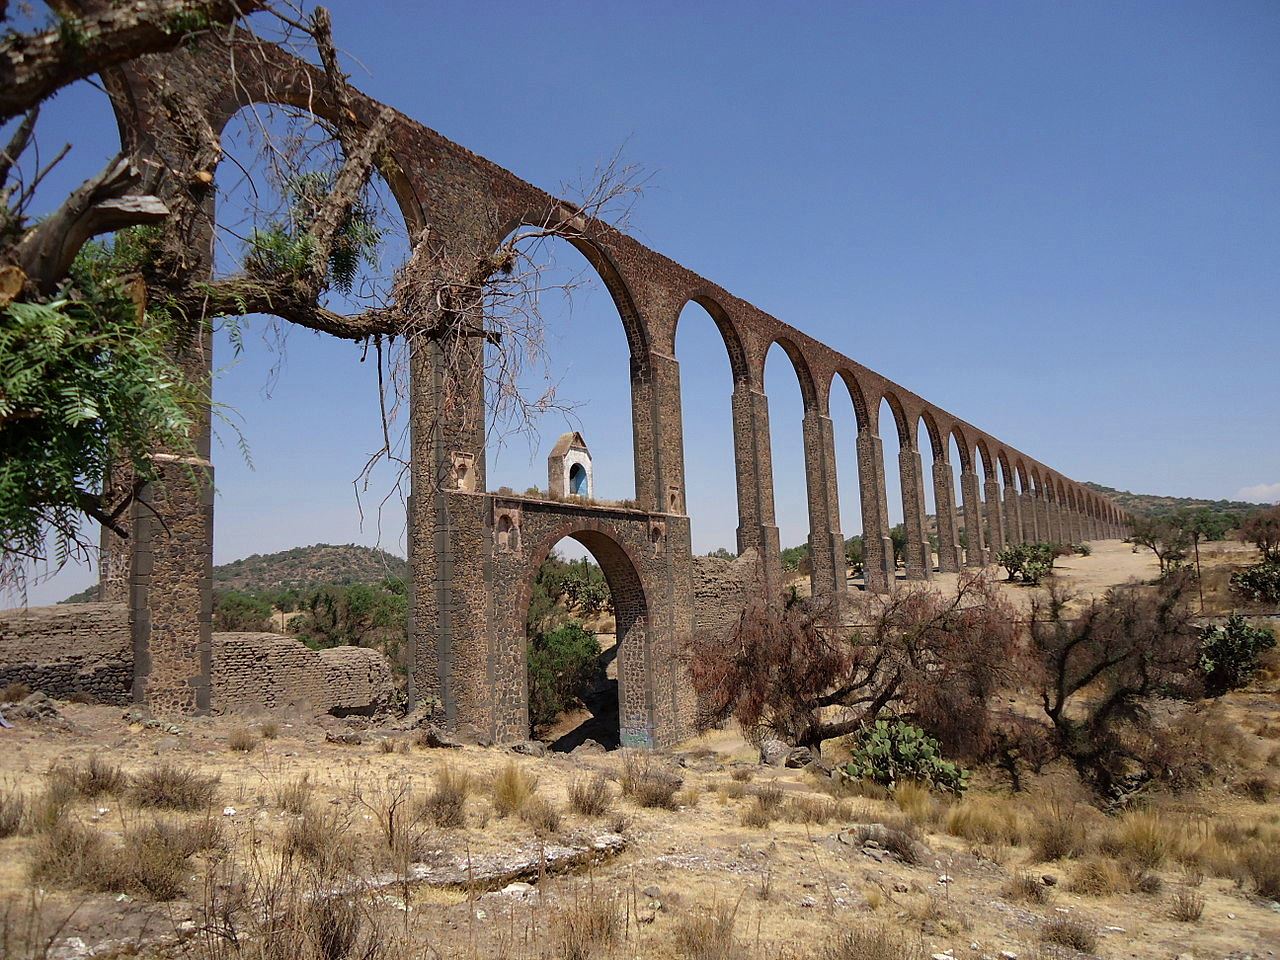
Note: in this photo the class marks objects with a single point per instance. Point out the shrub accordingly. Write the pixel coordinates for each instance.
(1260, 865)
(68, 853)
(890, 751)
(1059, 834)
(585, 928)
(814, 810)
(1139, 837)
(446, 804)
(153, 862)
(50, 805)
(14, 692)
(269, 730)
(742, 774)
(511, 788)
(1083, 549)
(1229, 654)
(242, 740)
(561, 664)
(13, 807)
(1099, 877)
(1065, 932)
(646, 783)
(707, 935)
(757, 814)
(1026, 888)
(984, 820)
(1259, 583)
(94, 779)
(294, 796)
(589, 796)
(173, 788)
(871, 942)
(1187, 905)
(541, 814)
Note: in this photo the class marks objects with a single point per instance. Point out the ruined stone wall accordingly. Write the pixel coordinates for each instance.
(73, 648)
(722, 589)
(265, 671)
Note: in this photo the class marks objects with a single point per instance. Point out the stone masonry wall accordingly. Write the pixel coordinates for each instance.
(71, 648)
(722, 589)
(265, 671)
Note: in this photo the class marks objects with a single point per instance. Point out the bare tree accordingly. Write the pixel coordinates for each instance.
(920, 655)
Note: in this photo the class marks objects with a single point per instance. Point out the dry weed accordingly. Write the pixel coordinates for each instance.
(294, 796)
(707, 935)
(742, 774)
(511, 788)
(1099, 877)
(646, 783)
(985, 819)
(1025, 888)
(541, 814)
(1187, 906)
(95, 778)
(871, 942)
(1059, 833)
(13, 807)
(446, 803)
(242, 740)
(1141, 837)
(590, 796)
(173, 788)
(586, 927)
(1065, 932)
(915, 801)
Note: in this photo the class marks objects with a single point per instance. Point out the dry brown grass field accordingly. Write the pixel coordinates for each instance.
(229, 837)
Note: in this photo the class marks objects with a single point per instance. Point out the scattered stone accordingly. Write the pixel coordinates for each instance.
(530, 748)
(228, 811)
(435, 738)
(35, 706)
(1049, 880)
(350, 738)
(471, 735)
(646, 916)
(798, 757)
(652, 891)
(901, 887)
(944, 879)
(773, 753)
(589, 748)
(1008, 955)
(808, 902)
(519, 889)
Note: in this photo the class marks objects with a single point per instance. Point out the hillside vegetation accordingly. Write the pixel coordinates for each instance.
(1154, 505)
(302, 569)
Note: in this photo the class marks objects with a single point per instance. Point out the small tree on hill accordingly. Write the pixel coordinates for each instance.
(1166, 537)
(936, 660)
(1263, 530)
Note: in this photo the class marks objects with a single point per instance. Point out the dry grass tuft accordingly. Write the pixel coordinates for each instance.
(707, 935)
(646, 783)
(590, 796)
(915, 801)
(269, 730)
(757, 815)
(13, 808)
(446, 804)
(67, 853)
(95, 778)
(320, 838)
(985, 819)
(173, 788)
(1260, 866)
(1099, 877)
(1187, 905)
(1065, 932)
(511, 788)
(585, 928)
(541, 814)
(294, 796)
(742, 774)
(814, 810)
(1059, 833)
(242, 740)
(50, 806)
(1259, 788)
(871, 942)
(1141, 837)
(1025, 888)
(386, 745)
(13, 692)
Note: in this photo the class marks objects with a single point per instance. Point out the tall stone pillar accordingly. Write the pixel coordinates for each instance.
(919, 558)
(1030, 527)
(975, 554)
(824, 530)
(1043, 533)
(666, 465)
(995, 518)
(948, 532)
(877, 548)
(171, 587)
(1012, 516)
(770, 547)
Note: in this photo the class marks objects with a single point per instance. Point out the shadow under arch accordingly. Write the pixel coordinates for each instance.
(621, 708)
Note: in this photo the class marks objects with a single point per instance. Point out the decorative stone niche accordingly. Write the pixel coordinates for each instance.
(464, 471)
(569, 468)
(506, 530)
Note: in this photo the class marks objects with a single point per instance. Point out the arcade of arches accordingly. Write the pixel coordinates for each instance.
(473, 552)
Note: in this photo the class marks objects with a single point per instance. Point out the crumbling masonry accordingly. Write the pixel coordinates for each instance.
(473, 553)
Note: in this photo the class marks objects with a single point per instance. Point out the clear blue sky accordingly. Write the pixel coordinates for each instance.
(1060, 221)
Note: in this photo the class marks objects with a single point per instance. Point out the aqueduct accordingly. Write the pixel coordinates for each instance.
(472, 552)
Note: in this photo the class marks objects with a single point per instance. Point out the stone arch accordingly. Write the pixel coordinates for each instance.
(1024, 480)
(937, 444)
(729, 333)
(808, 388)
(1006, 474)
(963, 448)
(858, 397)
(623, 572)
(988, 463)
(906, 436)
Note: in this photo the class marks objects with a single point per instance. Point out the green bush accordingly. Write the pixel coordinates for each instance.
(1229, 654)
(561, 664)
(1030, 562)
(235, 611)
(891, 751)
(1259, 583)
(1083, 549)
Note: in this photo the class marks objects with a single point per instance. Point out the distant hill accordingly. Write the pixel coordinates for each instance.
(301, 567)
(1152, 505)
